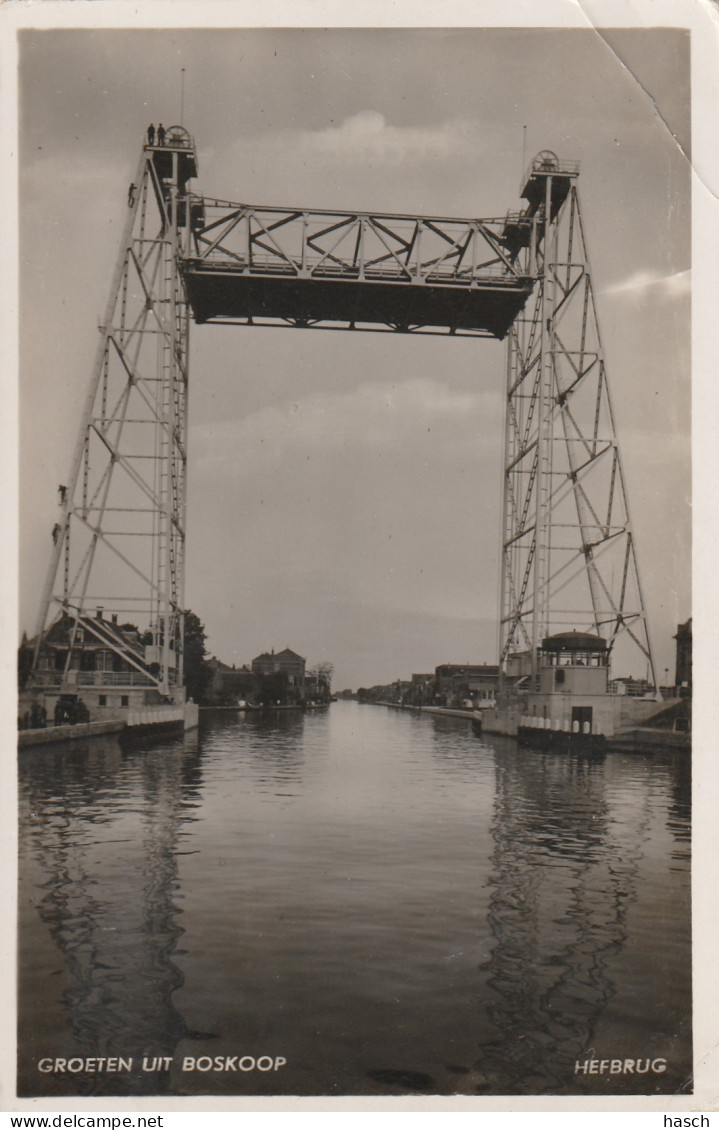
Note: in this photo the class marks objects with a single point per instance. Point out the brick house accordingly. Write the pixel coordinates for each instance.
(285, 663)
(457, 683)
(229, 685)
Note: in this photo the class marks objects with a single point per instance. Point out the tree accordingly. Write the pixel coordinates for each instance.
(323, 673)
(325, 670)
(197, 674)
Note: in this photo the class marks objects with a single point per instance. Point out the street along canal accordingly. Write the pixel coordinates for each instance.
(369, 901)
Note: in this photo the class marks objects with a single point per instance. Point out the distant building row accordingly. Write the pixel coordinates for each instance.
(452, 685)
(274, 678)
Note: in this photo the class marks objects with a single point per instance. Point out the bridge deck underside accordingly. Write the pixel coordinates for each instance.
(230, 294)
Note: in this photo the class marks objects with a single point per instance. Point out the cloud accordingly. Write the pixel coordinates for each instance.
(384, 496)
(368, 135)
(382, 418)
(347, 156)
(652, 285)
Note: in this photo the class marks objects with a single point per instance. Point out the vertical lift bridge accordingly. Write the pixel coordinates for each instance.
(568, 555)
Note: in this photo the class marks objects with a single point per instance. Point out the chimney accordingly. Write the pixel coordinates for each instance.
(99, 614)
(114, 617)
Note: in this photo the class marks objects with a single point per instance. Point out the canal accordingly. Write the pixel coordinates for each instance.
(382, 900)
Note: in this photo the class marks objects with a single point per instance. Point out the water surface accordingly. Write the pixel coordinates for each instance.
(385, 901)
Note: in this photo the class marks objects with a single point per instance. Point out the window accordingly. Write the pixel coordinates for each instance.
(124, 700)
(102, 700)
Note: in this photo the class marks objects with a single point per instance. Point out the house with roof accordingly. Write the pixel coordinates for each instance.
(282, 674)
(90, 665)
(229, 685)
(456, 684)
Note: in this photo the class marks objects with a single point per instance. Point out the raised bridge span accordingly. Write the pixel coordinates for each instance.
(325, 268)
(249, 264)
(351, 270)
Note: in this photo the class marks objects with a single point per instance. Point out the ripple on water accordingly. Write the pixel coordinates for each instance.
(390, 903)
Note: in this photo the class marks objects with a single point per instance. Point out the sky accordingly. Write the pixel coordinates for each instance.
(344, 489)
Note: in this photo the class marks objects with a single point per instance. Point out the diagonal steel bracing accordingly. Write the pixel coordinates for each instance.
(568, 554)
(253, 265)
(119, 540)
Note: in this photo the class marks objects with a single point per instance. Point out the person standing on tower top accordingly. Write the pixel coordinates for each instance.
(160, 134)
(151, 134)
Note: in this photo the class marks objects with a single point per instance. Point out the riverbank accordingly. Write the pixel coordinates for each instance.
(446, 711)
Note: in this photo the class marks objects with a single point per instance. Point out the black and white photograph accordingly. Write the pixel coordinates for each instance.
(355, 515)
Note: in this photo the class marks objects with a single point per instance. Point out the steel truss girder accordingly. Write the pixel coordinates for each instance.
(119, 539)
(568, 552)
(308, 243)
(247, 264)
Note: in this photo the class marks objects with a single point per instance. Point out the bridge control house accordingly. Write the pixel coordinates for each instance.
(573, 685)
(571, 702)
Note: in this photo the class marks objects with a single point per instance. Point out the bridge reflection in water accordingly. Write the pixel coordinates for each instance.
(383, 899)
(564, 879)
(103, 859)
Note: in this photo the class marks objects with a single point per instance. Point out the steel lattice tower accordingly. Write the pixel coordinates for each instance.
(568, 554)
(119, 543)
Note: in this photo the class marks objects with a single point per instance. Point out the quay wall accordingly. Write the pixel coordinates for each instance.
(186, 714)
(631, 712)
(52, 734)
(502, 721)
(183, 716)
(447, 711)
(645, 738)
